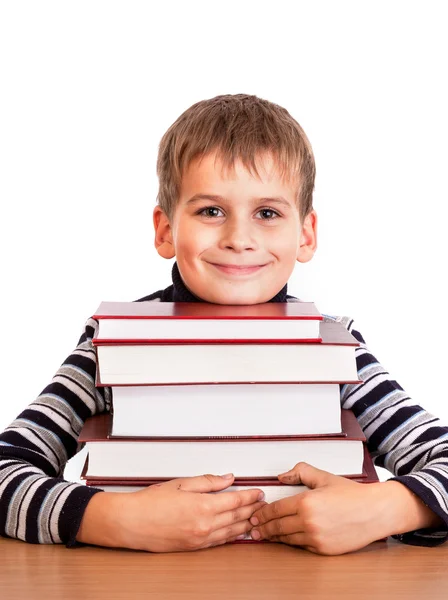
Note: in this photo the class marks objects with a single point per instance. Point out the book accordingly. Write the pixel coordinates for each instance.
(272, 488)
(246, 457)
(180, 321)
(330, 361)
(248, 409)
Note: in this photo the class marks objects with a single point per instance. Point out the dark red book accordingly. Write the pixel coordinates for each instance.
(174, 322)
(273, 488)
(246, 457)
(332, 360)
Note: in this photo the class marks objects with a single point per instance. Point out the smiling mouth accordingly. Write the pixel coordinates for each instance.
(237, 269)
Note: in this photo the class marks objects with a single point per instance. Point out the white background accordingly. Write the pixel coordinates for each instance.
(89, 88)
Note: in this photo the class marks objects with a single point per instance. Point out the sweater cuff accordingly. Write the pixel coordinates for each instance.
(432, 536)
(72, 513)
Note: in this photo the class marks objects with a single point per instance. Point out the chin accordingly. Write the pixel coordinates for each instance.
(235, 298)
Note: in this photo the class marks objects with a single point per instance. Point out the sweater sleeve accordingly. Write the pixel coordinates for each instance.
(36, 504)
(401, 437)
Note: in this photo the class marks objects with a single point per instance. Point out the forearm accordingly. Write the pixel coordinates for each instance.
(100, 523)
(399, 510)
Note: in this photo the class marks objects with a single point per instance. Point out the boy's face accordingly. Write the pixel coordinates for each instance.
(235, 238)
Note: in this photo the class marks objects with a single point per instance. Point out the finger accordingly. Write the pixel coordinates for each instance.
(305, 474)
(276, 510)
(233, 500)
(203, 483)
(278, 527)
(236, 515)
(237, 538)
(226, 534)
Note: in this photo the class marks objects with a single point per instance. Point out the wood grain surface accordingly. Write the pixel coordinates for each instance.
(251, 571)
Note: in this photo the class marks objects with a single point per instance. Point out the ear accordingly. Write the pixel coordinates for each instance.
(308, 238)
(163, 240)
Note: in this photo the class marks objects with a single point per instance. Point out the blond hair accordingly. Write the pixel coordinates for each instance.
(236, 127)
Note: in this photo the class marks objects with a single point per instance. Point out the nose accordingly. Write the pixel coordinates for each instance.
(237, 234)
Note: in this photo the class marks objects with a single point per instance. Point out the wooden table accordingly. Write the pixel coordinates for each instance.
(251, 571)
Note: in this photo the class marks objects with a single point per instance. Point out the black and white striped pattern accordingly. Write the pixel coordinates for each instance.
(38, 506)
(402, 437)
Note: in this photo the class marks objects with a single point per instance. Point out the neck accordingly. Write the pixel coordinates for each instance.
(182, 294)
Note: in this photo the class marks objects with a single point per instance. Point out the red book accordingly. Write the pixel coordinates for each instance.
(174, 322)
(273, 488)
(330, 361)
(246, 457)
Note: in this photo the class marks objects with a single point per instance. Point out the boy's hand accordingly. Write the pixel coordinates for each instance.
(172, 516)
(338, 515)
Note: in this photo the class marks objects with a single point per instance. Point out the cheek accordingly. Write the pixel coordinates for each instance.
(285, 246)
(193, 240)
(190, 246)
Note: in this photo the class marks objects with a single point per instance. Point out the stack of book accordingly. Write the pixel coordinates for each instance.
(205, 388)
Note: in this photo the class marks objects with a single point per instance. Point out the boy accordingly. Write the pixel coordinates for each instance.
(235, 208)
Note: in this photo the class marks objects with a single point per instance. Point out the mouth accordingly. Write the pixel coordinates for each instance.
(230, 269)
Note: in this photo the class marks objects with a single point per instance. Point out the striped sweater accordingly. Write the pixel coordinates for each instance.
(37, 505)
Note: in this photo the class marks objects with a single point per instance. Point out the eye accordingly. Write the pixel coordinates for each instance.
(209, 212)
(268, 214)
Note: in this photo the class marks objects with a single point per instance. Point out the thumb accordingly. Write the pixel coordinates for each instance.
(306, 474)
(205, 483)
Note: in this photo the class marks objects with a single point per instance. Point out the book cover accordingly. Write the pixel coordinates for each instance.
(205, 310)
(98, 429)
